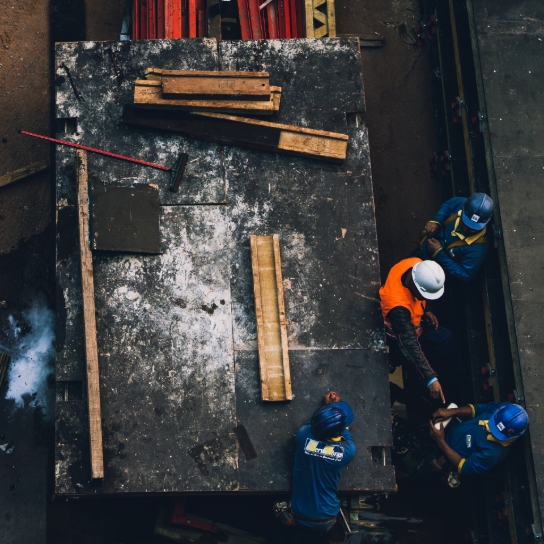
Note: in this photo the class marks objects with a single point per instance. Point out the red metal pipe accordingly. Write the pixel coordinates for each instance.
(94, 150)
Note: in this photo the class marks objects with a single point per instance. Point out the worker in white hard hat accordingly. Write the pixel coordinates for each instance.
(413, 333)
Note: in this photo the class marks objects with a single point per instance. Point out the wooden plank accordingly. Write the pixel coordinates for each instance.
(319, 23)
(148, 94)
(270, 316)
(230, 129)
(89, 318)
(21, 173)
(205, 73)
(251, 88)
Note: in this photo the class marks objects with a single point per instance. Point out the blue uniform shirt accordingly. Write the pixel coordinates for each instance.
(461, 262)
(317, 471)
(471, 439)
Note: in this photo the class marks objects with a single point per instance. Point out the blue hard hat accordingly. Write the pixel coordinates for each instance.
(508, 422)
(331, 420)
(477, 211)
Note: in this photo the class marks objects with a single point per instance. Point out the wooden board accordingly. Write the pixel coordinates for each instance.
(125, 218)
(16, 175)
(89, 319)
(148, 93)
(318, 144)
(216, 87)
(270, 316)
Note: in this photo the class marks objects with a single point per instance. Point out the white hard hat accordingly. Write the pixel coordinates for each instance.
(429, 279)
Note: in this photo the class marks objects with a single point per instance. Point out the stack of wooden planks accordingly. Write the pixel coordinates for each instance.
(159, 19)
(270, 19)
(192, 90)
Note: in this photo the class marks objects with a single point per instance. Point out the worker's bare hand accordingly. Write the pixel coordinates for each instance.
(432, 319)
(433, 244)
(442, 414)
(431, 229)
(438, 435)
(435, 389)
(331, 397)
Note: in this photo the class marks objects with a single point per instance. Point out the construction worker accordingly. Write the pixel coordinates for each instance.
(456, 236)
(482, 440)
(324, 446)
(403, 300)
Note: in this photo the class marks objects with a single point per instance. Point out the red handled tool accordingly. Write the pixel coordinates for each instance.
(177, 171)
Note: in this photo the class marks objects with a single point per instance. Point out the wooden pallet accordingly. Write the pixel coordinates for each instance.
(270, 315)
(320, 18)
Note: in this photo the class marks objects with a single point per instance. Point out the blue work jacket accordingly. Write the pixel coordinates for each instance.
(317, 471)
(480, 450)
(461, 262)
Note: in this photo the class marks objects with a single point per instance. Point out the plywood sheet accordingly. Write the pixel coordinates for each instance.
(125, 218)
(266, 454)
(166, 362)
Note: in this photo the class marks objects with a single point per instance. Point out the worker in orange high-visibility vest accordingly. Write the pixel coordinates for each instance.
(412, 331)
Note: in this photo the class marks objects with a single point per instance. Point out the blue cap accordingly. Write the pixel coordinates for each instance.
(349, 413)
(477, 211)
(508, 422)
(331, 420)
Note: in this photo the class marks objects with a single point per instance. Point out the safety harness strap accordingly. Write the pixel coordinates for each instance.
(460, 243)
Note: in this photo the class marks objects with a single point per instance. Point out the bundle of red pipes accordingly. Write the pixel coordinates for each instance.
(259, 19)
(270, 19)
(159, 19)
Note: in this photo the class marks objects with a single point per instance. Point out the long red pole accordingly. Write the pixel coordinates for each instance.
(99, 151)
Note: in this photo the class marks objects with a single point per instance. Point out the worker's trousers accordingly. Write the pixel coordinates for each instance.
(440, 349)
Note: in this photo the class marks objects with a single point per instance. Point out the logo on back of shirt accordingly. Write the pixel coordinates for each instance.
(323, 450)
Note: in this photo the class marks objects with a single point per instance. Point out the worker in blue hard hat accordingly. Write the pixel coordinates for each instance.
(482, 440)
(324, 446)
(456, 236)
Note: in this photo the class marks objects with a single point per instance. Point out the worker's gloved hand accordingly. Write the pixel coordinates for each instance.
(331, 397)
(435, 389)
(433, 244)
(432, 319)
(442, 414)
(431, 229)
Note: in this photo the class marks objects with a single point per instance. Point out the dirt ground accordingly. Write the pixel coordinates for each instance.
(400, 124)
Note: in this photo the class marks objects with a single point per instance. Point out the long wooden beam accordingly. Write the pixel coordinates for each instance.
(89, 318)
(271, 322)
(229, 129)
(16, 175)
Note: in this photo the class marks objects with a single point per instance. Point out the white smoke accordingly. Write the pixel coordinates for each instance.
(32, 351)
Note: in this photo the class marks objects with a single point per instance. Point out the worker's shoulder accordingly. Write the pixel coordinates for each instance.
(456, 202)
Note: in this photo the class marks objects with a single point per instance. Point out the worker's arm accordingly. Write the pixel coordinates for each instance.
(439, 436)
(467, 264)
(464, 413)
(447, 209)
(399, 317)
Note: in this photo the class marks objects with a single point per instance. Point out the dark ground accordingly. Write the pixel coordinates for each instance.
(399, 119)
